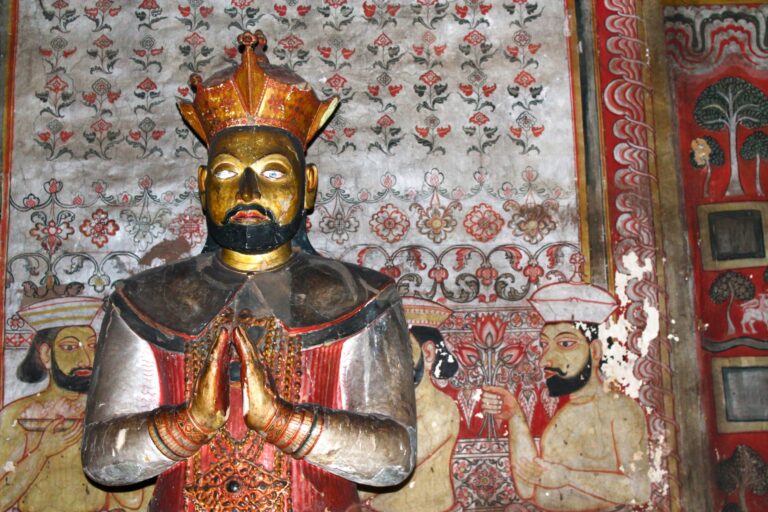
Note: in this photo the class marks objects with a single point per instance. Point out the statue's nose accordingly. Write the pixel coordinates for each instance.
(249, 186)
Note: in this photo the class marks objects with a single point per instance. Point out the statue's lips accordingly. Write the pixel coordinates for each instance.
(250, 214)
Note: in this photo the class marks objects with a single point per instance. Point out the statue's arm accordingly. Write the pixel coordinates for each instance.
(124, 393)
(373, 439)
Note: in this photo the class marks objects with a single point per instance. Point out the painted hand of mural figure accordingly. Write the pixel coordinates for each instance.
(593, 454)
(323, 398)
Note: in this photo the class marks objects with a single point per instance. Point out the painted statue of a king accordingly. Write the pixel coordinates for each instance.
(257, 377)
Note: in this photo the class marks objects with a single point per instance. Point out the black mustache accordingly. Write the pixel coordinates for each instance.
(247, 208)
(556, 370)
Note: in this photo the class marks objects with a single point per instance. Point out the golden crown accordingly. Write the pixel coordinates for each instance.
(256, 93)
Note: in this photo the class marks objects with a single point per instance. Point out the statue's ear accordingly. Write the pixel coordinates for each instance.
(44, 350)
(202, 174)
(310, 187)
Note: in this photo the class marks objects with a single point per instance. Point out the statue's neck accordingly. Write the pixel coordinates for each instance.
(257, 262)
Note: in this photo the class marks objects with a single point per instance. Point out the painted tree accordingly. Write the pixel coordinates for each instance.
(727, 104)
(755, 147)
(706, 152)
(730, 286)
(743, 471)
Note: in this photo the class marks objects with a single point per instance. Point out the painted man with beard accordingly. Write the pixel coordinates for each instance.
(593, 454)
(41, 433)
(255, 377)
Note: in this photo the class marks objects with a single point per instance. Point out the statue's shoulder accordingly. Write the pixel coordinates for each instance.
(331, 299)
(175, 302)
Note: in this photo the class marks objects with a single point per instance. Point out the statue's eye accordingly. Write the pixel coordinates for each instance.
(273, 174)
(224, 173)
(567, 343)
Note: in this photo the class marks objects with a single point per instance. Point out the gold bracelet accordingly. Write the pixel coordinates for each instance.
(176, 434)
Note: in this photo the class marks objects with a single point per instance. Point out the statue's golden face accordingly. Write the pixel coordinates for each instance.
(255, 175)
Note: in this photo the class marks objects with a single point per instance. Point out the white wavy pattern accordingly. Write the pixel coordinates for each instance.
(625, 96)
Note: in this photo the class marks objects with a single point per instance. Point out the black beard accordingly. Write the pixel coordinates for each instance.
(559, 385)
(70, 382)
(253, 238)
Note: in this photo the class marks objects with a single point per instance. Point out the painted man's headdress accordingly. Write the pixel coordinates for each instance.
(62, 312)
(256, 93)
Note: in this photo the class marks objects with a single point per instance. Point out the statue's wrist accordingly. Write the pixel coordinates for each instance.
(177, 434)
(294, 430)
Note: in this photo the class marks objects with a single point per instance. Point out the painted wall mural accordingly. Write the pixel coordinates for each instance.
(452, 166)
(718, 61)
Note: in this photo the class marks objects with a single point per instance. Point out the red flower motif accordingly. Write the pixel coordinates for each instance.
(335, 3)
(468, 355)
(241, 4)
(185, 11)
(325, 51)
(391, 271)
(466, 89)
(89, 97)
(112, 96)
(99, 187)
(346, 53)
(443, 131)
(521, 38)
(461, 11)
(484, 8)
(147, 85)
(475, 38)
(230, 51)
(394, 90)
(52, 234)
(512, 353)
(479, 119)
(430, 78)
(302, 10)
(382, 40)
(483, 223)
(440, 49)
(60, 4)
(194, 39)
(533, 222)
(77, 200)
(44, 136)
(369, 9)
(418, 49)
(148, 5)
(53, 186)
(31, 200)
(392, 9)
(373, 90)
(488, 330)
(438, 274)
(329, 134)
(65, 135)
(45, 52)
(183, 90)
(205, 11)
(385, 121)
(533, 272)
(533, 48)
(537, 130)
(349, 132)
(423, 132)
(513, 51)
(281, 10)
(56, 85)
(516, 132)
(488, 90)
(291, 43)
(157, 134)
(101, 126)
(189, 225)
(337, 82)
(99, 228)
(145, 182)
(486, 274)
(525, 79)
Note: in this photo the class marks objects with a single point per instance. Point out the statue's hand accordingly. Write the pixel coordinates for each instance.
(209, 405)
(263, 402)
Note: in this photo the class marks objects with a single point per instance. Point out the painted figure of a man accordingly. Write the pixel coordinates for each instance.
(255, 377)
(593, 454)
(41, 433)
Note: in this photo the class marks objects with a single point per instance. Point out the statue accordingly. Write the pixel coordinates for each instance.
(256, 377)
(593, 453)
